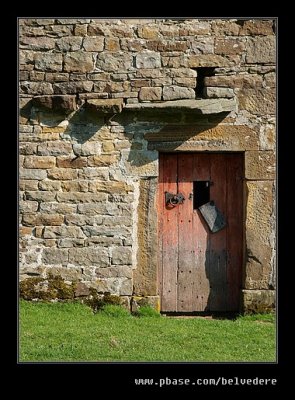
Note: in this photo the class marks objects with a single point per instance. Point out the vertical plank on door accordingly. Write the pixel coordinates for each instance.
(170, 236)
(185, 300)
(201, 172)
(160, 208)
(218, 256)
(234, 215)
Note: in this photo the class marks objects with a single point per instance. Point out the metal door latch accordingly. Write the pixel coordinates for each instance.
(174, 199)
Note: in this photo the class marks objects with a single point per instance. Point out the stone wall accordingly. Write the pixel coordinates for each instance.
(98, 100)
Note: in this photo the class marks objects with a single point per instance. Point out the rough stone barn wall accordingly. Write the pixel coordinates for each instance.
(89, 154)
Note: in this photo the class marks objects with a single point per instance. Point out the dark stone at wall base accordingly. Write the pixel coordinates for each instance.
(258, 301)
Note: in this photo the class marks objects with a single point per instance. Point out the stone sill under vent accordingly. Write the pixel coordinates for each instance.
(202, 106)
(115, 106)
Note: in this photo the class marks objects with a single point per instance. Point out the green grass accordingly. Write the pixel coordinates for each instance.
(71, 332)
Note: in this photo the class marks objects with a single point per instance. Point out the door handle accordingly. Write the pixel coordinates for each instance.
(174, 200)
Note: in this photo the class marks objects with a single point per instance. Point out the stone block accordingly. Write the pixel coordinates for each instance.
(261, 50)
(209, 60)
(39, 196)
(257, 101)
(75, 186)
(36, 88)
(62, 174)
(39, 162)
(56, 103)
(72, 87)
(28, 206)
(27, 148)
(28, 185)
(53, 232)
(32, 174)
(42, 219)
(150, 94)
(102, 161)
(229, 46)
(37, 43)
(93, 43)
(71, 162)
(114, 62)
(260, 234)
(148, 59)
(48, 62)
(59, 208)
(148, 32)
(54, 148)
(78, 62)
(87, 149)
(258, 301)
(257, 27)
(77, 197)
(178, 92)
(260, 165)
(218, 92)
(89, 256)
(55, 256)
(119, 271)
(105, 106)
(67, 44)
(112, 44)
(121, 256)
(48, 185)
(94, 173)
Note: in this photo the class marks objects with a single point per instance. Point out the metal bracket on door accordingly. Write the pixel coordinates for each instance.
(174, 200)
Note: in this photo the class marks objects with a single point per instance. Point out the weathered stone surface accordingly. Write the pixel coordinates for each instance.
(203, 106)
(75, 186)
(260, 223)
(57, 103)
(186, 82)
(89, 256)
(229, 46)
(257, 101)
(217, 92)
(260, 165)
(209, 60)
(42, 219)
(59, 208)
(94, 209)
(77, 197)
(101, 161)
(148, 59)
(150, 94)
(204, 137)
(177, 92)
(63, 231)
(109, 187)
(28, 206)
(72, 87)
(32, 174)
(37, 43)
(66, 44)
(261, 50)
(41, 162)
(151, 301)
(145, 281)
(94, 173)
(81, 290)
(55, 256)
(36, 88)
(62, 174)
(28, 185)
(119, 271)
(258, 301)
(121, 256)
(105, 105)
(39, 196)
(87, 149)
(108, 146)
(257, 27)
(48, 185)
(48, 62)
(248, 81)
(112, 44)
(114, 62)
(27, 148)
(78, 62)
(54, 148)
(93, 43)
(71, 162)
(69, 242)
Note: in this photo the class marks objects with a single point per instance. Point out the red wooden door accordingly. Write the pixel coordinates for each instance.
(200, 270)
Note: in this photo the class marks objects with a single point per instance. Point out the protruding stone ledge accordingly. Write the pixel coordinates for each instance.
(105, 106)
(202, 106)
(63, 103)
